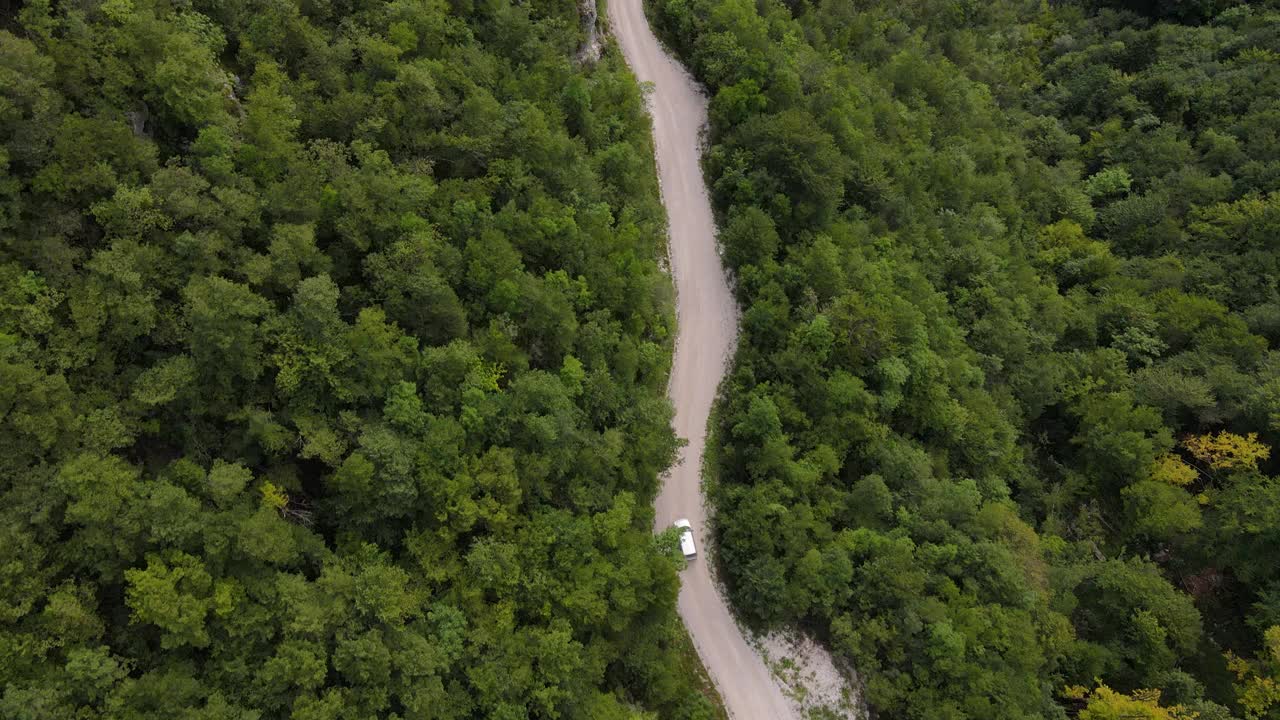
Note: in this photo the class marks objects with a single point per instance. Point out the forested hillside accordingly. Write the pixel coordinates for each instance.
(333, 349)
(1000, 428)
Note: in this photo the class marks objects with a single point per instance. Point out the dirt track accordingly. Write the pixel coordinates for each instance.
(707, 318)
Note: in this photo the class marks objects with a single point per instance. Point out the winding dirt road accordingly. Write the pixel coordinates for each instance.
(707, 321)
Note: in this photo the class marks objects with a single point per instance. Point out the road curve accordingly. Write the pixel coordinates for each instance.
(707, 320)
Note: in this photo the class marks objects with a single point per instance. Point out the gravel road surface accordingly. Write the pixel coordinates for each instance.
(707, 320)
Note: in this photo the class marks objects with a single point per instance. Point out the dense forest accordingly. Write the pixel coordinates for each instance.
(333, 348)
(1001, 421)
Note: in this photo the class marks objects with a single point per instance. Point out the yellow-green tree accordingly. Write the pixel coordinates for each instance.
(1172, 469)
(1104, 703)
(1227, 451)
(1258, 681)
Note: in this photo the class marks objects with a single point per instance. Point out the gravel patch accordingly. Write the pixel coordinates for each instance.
(820, 688)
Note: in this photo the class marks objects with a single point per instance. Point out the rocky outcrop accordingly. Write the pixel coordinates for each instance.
(592, 46)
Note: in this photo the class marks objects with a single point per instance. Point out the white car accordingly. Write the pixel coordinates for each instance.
(686, 538)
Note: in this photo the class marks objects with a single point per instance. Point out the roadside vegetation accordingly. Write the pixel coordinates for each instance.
(333, 357)
(1001, 421)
